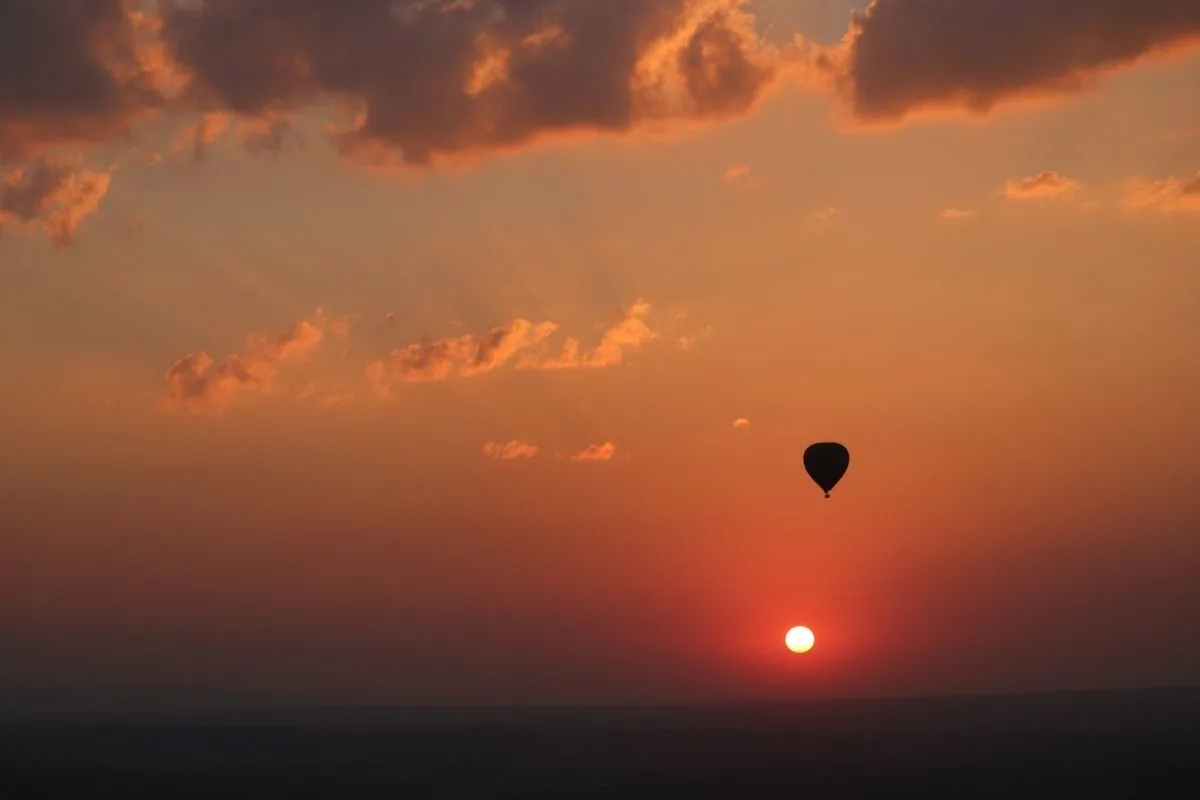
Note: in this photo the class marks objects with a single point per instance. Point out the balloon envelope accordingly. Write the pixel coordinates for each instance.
(826, 463)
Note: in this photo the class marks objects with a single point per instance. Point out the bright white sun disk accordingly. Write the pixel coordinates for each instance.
(799, 639)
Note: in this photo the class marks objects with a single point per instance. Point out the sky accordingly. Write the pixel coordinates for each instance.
(465, 352)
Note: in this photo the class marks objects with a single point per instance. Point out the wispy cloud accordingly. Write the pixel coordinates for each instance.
(688, 341)
(956, 214)
(1169, 195)
(1043, 186)
(510, 451)
(596, 452)
(194, 384)
(736, 172)
(377, 380)
(470, 354)
(627, 335)
(465, 356)
(741, 422)
(332, 400)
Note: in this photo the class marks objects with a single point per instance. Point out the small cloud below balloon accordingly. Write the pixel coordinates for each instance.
(510, 451)
(596, 453)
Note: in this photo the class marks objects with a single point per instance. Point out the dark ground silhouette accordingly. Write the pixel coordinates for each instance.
(1126, 744)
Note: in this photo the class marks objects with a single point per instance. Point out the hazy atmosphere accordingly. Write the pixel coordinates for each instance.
(465, 352)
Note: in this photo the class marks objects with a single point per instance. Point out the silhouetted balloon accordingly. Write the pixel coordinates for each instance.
(826, 463)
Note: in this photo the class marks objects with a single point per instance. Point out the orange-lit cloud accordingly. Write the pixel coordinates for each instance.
(1044, 185)
(200, 135)
(956, 214)
(901, 57)
(521, 343)
(737, 172)
(689, 340)
(628, 334)
(465, 356)
(1168, 194)
(52, 197)
(329, 401)
(194, 384)
(270, 132)
(377, 380)
(825, 214)
(596, 452)
(510, 451)
(741, 422)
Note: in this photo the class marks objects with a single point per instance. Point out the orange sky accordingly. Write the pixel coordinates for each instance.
(342, 364)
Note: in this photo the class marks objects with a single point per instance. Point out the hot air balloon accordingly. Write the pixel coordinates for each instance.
(826, 463)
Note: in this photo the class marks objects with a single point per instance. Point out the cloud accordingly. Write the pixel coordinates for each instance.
(466, 355)
(825, 214)
(200, 135)
(1044, 185)
(51, 196)
(443, 78)
(269, 133)
(628, 334)
(688, 341)
(902, 57)
(956, 214)
(520, 343)
(737, 172)
(194, 384)
(596, 452)
(510, 451)
(741, 422)
(418, 83)
(1168, 194)
(329, 401)
(377, 380)
(72, 73)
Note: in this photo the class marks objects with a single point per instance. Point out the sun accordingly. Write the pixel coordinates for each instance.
(799, 639)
